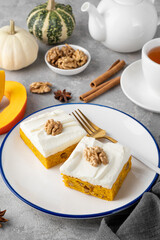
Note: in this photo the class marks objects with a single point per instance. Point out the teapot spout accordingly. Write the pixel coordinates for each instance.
(96, 23)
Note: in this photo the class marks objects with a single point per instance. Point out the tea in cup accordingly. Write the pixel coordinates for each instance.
(151, 65)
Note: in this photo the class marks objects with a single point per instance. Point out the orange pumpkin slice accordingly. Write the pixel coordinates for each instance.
(14, 112)
(2, 84)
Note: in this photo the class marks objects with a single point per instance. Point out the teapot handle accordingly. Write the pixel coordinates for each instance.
(153, 1)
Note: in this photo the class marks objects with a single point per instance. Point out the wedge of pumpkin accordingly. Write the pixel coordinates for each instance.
(14, 112)
(2, 84)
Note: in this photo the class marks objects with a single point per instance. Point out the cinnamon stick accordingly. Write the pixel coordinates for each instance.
(97, 91)
(93, 90)
(117, 66)
(114, 64)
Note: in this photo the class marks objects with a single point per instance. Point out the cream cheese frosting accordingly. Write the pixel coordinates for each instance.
(104, 175)
(47, 144)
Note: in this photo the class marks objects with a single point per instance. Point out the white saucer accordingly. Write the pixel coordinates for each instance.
(134, 87)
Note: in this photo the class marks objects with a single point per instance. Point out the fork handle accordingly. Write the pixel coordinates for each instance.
(110, 139)
(148, 164)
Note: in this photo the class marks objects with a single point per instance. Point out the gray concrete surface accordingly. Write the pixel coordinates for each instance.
(26, 223)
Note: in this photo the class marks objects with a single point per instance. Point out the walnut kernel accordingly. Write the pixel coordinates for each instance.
(67, 50)
(80, 57)
(66, 63)
(53, 55)
(95, 155)
(40, 87)
(52, 127)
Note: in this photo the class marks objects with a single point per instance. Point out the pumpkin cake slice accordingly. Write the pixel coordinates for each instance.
(51, 136)
(97, 168)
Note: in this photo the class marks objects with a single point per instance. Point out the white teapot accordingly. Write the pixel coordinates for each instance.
(122, 25)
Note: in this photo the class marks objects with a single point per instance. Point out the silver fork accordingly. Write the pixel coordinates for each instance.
(96, 132)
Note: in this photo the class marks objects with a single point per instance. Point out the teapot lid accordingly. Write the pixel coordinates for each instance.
(128, 2)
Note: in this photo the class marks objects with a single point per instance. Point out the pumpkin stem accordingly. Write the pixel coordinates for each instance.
(51, 5)
(12, 27)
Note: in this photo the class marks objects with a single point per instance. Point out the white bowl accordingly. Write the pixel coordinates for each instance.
(69, 72)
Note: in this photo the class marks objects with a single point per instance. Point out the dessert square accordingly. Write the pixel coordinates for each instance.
(51, 136)
(97, 168)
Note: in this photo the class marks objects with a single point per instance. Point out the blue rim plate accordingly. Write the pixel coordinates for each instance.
(44, 190)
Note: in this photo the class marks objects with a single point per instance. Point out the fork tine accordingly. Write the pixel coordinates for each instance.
(86, 129)
(86, 123)
(91, 123)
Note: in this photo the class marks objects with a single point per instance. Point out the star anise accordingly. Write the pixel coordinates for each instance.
(2, 219)
(62, 96)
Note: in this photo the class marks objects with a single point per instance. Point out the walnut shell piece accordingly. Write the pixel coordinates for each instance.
(53, 127)
(40, 87)
(96, 156)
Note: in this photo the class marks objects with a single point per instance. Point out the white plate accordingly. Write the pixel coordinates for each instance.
(44, 189)
(134, 87)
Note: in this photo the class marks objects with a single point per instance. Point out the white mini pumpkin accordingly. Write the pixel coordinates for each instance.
(18, 48)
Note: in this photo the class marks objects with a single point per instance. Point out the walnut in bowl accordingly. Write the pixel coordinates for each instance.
(67, 59)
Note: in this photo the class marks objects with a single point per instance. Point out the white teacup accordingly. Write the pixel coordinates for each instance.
(151, 69)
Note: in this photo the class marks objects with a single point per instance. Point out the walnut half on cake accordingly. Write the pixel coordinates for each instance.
(97, 168)
(52, 136)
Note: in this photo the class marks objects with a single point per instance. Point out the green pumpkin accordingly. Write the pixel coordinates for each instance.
(51, 22)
